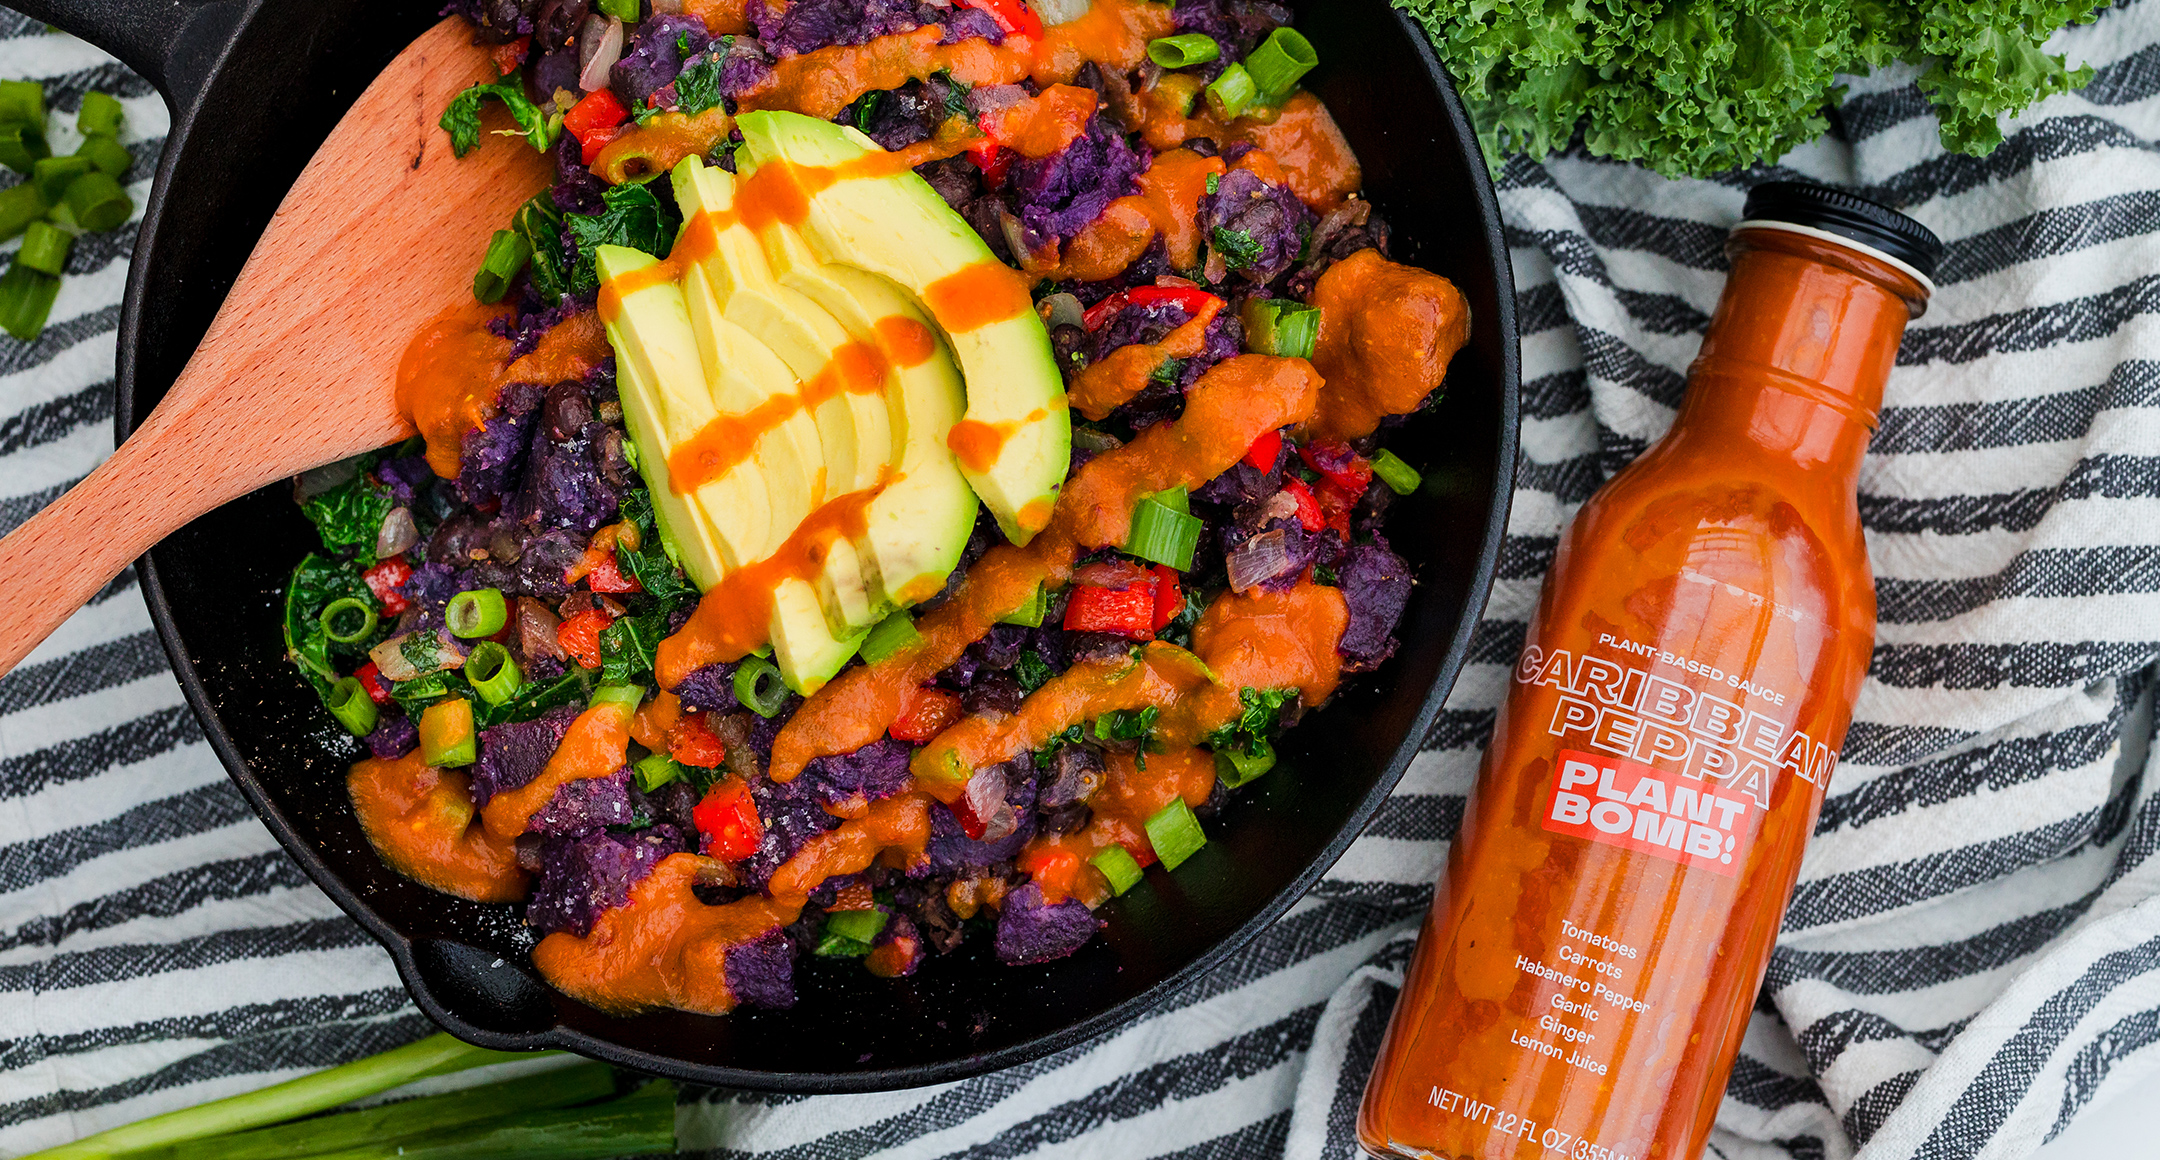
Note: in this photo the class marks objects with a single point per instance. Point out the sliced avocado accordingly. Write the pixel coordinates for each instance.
(921, 522)
(744, 375)
(669, 388)
(1018, 433)
(854, 431)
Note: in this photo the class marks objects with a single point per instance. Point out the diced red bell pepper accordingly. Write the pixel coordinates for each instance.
(1126, 612)
(992, 158)
(509, 55)
(1336, 504)
(580, 636)
(594, 121)
(1309, 514)
(385, 579)
(729, 820)
(1341, 466)
(931, 712)
(1012, 16)
(1264, 451)
(370, 679)
(1094, 316)
(607, 576)
(1169, 600)
(1192, 298)
(690, 742)
(1056, 871)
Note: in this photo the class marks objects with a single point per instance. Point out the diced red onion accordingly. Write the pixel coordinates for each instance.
(398, 533)
(1263, 558)
(1119, 574)
(667, 7)
(537, 627)
(1059, 11)
(1280, 506)
(604, 45)
(1015, 238)
(979, 804)
(1001, 824)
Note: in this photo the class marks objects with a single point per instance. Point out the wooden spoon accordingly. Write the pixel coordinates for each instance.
(383, 230)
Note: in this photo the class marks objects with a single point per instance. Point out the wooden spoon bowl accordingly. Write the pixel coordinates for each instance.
(382, 230)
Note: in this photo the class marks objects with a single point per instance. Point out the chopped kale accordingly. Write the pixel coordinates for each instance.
(632, 217)
(1238, 248)
(627, 647)
(1047, 752)
(1031, 670)
(349, 516)
(317, 582)
(534, 699)
(1259, 717)
(462, 119)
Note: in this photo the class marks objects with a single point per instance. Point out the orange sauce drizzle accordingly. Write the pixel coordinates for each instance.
(1302, 142)
(421, 821)
(1233, 404)
(595, 746)
(655, 146)
(1387, 332)
(734, 617)
(910, 342)
(1045, 124)
(1167, 205)
(664, 948)
(1103, 386)
(976, 444)
(730, 440)
(721, 17)
(452, 371)
(977, 296)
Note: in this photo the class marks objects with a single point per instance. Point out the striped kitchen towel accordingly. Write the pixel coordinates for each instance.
(1973, 954)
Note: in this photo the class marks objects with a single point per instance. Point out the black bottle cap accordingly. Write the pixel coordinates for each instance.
(1848, 215)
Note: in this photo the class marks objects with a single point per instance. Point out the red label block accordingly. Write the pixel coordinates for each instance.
(1637, 807)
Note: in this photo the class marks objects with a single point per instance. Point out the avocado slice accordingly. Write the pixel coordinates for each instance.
(894, 225)
(920, 523)
(671, 381)
(853, 427)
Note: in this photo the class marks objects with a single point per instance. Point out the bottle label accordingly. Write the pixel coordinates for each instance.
(1630, 805)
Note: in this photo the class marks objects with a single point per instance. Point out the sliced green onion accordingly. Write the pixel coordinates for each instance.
(657, 769)
(110, 157)
(1177, 499)
(446, 734)
(22, 144)
(1163, 535)
(1175, 833)
(1119, 866)
(97, 202)
(45, 248)
(338, 610)
(99, 114)
(26, 298)
(355, 710)
(19, 206)
(507, 253)
(1236, 766)
(438, 1054)
(629, 696)
(22, 101)
(407, 1120)
(1279, 62)
(494, 673)
(478, 612)
(1183, 50)
(1401, 478)
(54, 174)
(626, 11)
(860, 925)
(1231, 93)
(1281, 327)
(1031, 614)
(839, 946)
(892, 634)
(759, 687)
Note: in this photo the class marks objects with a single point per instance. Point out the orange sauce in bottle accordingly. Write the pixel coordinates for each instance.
(1584, 977)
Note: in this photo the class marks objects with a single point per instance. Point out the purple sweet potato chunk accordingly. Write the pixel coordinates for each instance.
(1376, 587)
(711, 688)
(568, 481)
(581, 877)
(532, 321)
(745, 67)
(393, 737)
(585, 805)
(873, 773)
(491, 459)
(1238, 26)
(653, 57)
(1245, 484)
(1149, 323)
(964, 23)
(761, 972)
(406, 477)
(513, 754)
(1256, 228)
(950, 848)
(540, 566)
(1029, 930)
(576, 190)
(792, 817)
(912, 113)
(1062, 193)
(903, 930)
(790, 27)
(432, 585)
(1223, 338)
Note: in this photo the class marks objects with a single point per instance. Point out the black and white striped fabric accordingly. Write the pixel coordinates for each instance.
(1973, 955)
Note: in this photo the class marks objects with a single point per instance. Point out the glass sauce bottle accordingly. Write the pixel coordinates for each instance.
(1584, 978)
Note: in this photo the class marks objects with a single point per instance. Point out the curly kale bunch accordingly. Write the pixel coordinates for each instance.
(1696, 86)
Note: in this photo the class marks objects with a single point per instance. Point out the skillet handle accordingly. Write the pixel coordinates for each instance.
(172, 43)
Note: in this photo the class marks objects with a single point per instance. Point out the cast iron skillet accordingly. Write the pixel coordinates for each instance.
(255, 86)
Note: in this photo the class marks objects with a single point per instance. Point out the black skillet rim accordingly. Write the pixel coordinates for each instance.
(402, 950)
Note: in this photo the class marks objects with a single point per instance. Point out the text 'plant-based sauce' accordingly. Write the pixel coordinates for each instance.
(1585, 975)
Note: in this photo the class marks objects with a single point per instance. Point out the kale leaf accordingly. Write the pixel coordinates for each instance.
(317, 582)
(462, 119)
(652, 565)
(534, 699)
(1238, 248)
(1259, 715)
(631, 217)
(349, 516)
(697, 87)
(1047, 751)
(1032, 671)
(627, 648)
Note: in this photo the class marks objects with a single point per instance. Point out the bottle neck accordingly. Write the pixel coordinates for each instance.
(1801, 345)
